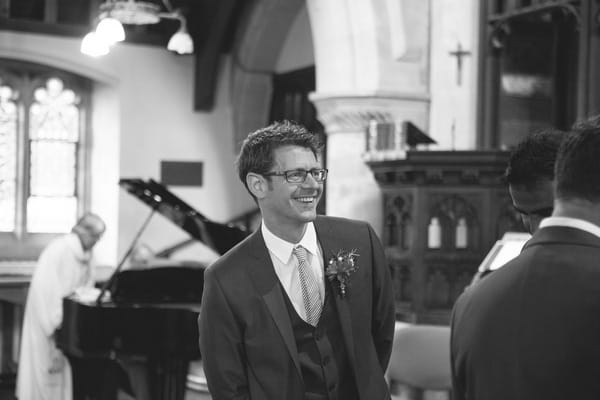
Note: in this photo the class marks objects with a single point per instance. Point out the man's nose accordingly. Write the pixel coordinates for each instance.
(310, 180)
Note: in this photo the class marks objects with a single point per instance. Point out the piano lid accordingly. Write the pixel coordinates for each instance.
(220, 237)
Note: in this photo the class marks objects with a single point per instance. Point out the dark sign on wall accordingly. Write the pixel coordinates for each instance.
(181, 173)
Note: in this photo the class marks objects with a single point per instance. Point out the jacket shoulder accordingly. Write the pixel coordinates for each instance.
(339, 223)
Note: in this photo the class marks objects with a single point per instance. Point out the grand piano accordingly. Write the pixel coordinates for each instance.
(149, 325)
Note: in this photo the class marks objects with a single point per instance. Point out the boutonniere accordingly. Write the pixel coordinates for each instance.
(340, 267)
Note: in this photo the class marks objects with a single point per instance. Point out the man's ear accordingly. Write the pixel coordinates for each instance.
(257, 185)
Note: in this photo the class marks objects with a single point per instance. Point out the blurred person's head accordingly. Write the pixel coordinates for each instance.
(577, 173)
(89, 229)
(530, 176)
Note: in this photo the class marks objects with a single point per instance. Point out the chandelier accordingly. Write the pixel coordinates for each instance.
(114, 13)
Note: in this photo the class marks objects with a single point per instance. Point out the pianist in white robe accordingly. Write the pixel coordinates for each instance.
(64, 266)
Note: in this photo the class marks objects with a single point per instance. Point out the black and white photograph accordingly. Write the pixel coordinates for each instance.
(299, 199)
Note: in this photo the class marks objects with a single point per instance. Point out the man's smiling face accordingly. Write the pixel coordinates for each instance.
(291, 205)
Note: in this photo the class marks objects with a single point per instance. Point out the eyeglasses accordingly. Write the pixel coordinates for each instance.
(299, 175)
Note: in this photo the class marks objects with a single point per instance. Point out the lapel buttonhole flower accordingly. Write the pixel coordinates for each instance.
(340, 267)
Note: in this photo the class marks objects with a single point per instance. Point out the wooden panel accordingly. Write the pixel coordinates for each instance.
(534, 73)
(13, 295)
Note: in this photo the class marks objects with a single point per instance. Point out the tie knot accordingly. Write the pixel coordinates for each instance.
(300, 253)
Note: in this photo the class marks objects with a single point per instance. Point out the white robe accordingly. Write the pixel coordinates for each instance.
(62, 267)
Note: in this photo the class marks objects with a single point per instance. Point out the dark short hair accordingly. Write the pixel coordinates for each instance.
(256, 154)
(533, 159)
(578, 163)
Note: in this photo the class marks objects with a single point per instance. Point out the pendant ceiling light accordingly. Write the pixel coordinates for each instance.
(111, 29)
(181, 42)
(114, 13)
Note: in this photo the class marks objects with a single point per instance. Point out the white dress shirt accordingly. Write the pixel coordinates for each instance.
(571, 223)
(286, 264)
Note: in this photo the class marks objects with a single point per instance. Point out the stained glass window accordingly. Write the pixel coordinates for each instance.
(53, 138)
(42, 162)
(8, 159)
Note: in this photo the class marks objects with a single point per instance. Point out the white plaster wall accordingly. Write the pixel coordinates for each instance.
(105, 145)
(453, 106)
(403, 33)
(177, 133)
(143, 113)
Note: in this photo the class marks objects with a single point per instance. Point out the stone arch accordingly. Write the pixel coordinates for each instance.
(255, 54)
(347, 54)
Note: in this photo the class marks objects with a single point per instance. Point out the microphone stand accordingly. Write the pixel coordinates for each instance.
(110, 280)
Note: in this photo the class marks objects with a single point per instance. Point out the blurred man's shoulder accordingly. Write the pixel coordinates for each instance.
(340, 222)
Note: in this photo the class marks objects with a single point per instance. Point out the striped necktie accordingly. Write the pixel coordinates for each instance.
(310, 288)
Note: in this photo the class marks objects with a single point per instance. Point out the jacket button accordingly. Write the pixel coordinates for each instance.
(326, 360)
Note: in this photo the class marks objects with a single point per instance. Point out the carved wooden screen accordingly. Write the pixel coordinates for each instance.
(443, 211)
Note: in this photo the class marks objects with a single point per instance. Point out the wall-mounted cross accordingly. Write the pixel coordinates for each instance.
(459, 53)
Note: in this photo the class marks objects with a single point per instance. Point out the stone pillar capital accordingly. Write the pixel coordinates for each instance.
(352, 112)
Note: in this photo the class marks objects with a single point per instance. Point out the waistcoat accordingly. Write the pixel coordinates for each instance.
(324, 363)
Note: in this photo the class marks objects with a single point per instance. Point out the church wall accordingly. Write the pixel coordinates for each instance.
(143, 113)
(453, 89)
(390, 61)
(403, 36)
(372, 64)
(105, 167)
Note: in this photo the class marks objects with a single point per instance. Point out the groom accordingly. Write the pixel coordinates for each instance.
(303, 308)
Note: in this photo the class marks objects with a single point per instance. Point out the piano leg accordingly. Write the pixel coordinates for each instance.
(157, 379)
(11, 316)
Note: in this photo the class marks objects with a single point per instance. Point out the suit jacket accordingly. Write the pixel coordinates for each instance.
(246, 337)
(531, 330)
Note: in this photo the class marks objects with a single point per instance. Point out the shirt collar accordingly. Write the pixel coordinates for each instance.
(282, 249)
(571, 223)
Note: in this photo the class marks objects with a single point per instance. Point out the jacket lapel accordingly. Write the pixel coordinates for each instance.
(330, 245)
(261, 272)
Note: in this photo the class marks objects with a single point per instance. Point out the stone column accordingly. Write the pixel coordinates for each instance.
(351, 188)
(372, 62)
